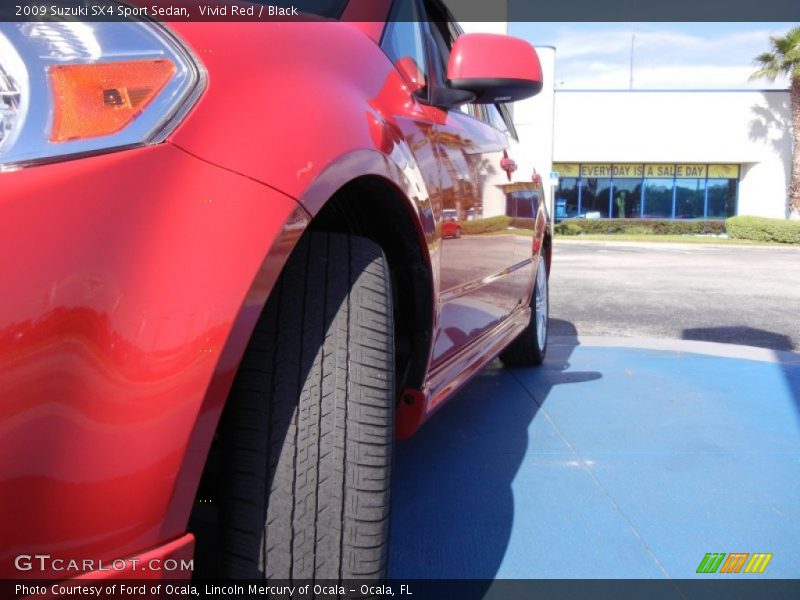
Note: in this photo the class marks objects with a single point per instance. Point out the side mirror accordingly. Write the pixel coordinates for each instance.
(495, 68)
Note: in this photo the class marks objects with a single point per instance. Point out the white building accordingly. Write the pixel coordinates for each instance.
(656, 153)
(672, 154)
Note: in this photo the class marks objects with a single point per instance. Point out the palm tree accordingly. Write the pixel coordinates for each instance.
(784, 59)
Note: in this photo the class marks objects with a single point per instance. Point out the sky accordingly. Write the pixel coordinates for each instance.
(665, 55)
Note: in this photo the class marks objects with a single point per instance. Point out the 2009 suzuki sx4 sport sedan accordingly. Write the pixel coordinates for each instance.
(237, 262)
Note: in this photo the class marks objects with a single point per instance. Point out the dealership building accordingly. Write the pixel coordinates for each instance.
(676, 154)
(666, 154)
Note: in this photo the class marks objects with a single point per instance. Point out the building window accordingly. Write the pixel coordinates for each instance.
(721, 198)
(595, 197)
(690, 198)
(650, 191)
(658, 198)
(627, 195)
(567, 198)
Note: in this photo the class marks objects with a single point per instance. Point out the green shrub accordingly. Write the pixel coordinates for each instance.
(567, 228)
(640, 227)
(688, 227)
(638, 230)
(490, 225)
(761, 229)
(522, 223)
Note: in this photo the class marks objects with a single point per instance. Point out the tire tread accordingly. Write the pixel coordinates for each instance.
(307, 433)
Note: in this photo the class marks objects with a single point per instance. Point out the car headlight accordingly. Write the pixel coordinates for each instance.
(70, 88)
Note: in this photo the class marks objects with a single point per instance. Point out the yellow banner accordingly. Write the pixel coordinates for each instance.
(687, 171)
(566, 169)
(659, 170)
(723, 171)
(653, 170)
(596, 170)
(520, 186)
(627, 170)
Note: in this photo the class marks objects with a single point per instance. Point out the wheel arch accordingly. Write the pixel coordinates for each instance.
(373, 204)
(547, 245)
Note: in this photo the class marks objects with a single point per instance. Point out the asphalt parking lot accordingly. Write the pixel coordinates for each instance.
(746, 295)
(650, 437)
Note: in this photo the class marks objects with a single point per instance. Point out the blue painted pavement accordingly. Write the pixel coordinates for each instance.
(607, 462)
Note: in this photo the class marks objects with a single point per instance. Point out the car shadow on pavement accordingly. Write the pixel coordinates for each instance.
(738, 334)
(782, 345)
(452, 498)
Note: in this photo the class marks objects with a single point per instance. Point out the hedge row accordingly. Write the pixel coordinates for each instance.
(758, 229)
(488, 225)
(639, 226)
(761, 229)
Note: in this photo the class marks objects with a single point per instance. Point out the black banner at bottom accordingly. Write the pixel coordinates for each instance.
(411, 589)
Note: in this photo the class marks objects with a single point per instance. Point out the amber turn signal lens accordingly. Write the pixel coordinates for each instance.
(90, 100)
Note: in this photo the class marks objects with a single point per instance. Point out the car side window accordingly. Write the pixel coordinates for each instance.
(495, 115)
(444, 35)
(506, 115)
(403, 42)
(495, 118)
(443, 32)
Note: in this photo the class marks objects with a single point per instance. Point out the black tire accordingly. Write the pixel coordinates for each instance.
(529, 348)
(307, 436)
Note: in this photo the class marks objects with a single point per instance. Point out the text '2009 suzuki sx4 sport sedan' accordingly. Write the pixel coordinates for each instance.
(239, 260)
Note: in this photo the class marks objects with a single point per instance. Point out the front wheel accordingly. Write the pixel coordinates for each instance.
(307, 436)
(529, 349)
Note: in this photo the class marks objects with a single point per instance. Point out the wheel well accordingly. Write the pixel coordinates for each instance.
(548, 251)
(370, 207)
(374, 208)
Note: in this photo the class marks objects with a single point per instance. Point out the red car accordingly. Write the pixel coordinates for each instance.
(225, 288)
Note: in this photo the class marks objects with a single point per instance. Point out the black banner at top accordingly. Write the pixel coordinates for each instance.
(372, 10)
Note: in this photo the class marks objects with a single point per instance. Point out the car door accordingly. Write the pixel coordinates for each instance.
(525, 204)
(478, 288)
